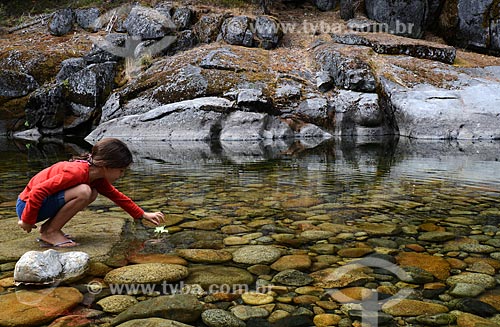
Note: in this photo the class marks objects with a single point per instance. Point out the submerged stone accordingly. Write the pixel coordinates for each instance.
(436, 236)
(146, 273)
(219, 318)
(179, 307)
(405, 307)
(37, 307)
(230, 278)
(153, 322)
(437, 266)
(256, 254)
(205, 255)
(117, 303)
(483, 280)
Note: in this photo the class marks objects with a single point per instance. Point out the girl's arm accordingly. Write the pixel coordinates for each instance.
(105, 188)
(108, 190)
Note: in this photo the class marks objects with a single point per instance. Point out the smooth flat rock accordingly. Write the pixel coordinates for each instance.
(144, 273)
(153, 322)
(97, 234)
(36, 307)
(116, 303)
(437, 266)
(157, 258)
(212, 278)
(404, 307)
(256, 254)
(339, 277)
(205, 255)
(179, 307)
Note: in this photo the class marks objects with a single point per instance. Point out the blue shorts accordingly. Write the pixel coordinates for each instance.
(50, 206)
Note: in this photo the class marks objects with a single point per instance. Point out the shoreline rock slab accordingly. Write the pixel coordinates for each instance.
(97, 234)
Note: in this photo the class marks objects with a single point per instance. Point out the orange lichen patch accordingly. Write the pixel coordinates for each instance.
(470, 59)
(409, 71)
(38, 38)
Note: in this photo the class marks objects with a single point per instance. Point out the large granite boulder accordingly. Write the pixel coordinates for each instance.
(472, 24)
(232, 72)
(92, 85)
(61, 22)
(74, 102)
(347, 70)
(449, 108)
(201, 119)
(87, 18)
(147, 23)
(268, 32)
(197, 119)
(401, 17)
(238, 31)
(46, 109)
(15, 84)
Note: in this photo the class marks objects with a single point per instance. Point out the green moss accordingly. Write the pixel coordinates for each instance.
(221, 81)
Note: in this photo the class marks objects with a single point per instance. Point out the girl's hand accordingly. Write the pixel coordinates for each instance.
(25, 226)
(154, 217)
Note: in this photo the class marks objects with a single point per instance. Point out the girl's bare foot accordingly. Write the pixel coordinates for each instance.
(43, 227)
(57, 239)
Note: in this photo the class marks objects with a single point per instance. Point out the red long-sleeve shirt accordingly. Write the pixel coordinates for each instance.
(64, 175)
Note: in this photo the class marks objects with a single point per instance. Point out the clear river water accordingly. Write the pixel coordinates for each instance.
(386, 179)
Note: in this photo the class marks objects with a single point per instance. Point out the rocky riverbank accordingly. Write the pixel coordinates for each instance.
(286, 76)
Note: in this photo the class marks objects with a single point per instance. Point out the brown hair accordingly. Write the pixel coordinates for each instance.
(109, 153)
